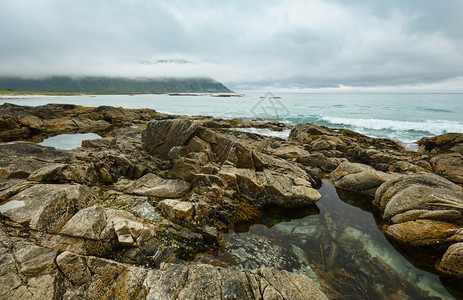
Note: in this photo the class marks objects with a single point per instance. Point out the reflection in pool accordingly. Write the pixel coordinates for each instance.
(10, 205)
(68, 141)
(338, 245)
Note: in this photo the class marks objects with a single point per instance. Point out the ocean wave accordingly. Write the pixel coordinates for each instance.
(267, 132)
(434, 127)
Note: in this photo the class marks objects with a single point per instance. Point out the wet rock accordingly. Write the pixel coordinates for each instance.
(417, 214)
(211, 235)
(452, 261)
(208, 282)
(246, 252)
(358, 177)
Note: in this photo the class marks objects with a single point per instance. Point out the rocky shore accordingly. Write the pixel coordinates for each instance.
(122, 216)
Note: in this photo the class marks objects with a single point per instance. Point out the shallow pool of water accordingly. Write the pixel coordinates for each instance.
(338, 245)
(10, 205)
(68, 141)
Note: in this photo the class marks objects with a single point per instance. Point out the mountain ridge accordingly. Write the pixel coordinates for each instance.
(90, 84)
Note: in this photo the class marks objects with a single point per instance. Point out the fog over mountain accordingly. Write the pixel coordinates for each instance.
(331, 44)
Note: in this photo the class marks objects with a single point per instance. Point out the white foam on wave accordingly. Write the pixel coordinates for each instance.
(267, 132)
(435, 127)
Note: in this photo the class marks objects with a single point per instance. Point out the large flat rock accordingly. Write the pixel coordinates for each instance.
(208, 282)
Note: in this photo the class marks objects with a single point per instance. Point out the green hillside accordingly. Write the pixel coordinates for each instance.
(114, 85)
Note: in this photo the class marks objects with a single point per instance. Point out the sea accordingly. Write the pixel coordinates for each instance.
(405, 117)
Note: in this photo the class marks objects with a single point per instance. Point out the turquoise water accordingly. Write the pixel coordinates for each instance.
(404, 117)
(338, 244)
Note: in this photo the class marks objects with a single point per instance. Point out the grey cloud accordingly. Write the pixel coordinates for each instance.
(316, 43)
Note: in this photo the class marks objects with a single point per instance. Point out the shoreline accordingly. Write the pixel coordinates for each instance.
(158, 187)
(402, 128)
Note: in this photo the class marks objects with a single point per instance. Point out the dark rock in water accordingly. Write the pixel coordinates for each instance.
(452, 261)
(425, 208)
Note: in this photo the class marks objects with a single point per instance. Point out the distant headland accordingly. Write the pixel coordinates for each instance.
(65, 84)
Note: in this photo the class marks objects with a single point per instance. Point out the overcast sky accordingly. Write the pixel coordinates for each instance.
(328, 44)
